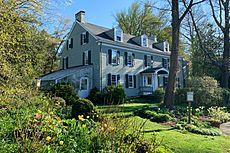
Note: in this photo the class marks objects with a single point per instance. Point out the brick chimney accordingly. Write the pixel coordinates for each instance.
(80, 16)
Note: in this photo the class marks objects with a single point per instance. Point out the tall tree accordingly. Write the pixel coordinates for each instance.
(219, 58)
(138, 20)
(221, 10)
(176, 22)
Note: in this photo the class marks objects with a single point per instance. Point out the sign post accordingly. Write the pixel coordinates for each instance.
(189, 99)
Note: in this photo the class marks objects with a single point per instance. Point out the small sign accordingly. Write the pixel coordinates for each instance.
(189, 96)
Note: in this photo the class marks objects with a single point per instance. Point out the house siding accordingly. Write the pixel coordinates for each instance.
(122, 69)
(75, 54)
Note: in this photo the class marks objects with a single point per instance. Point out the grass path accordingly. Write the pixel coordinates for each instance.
(185, 142)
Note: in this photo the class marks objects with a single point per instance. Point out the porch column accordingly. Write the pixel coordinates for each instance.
(155, 81)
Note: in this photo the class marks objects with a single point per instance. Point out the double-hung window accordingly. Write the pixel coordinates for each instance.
(118, 34)
(65, 63)
(129, 58)
(144, 41)
(113, 79)
(165, 63)
(130, 81)
(148, 60)
(69, 43)
(87, 57)
(114, 57)
(84, 38)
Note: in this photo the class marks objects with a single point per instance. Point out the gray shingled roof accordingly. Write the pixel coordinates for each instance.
(62, 73)
(100, 33)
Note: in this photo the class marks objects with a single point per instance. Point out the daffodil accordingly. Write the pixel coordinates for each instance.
(80, 117)
(61, 142)
(48, 138)
(105, 125)
(83, 125)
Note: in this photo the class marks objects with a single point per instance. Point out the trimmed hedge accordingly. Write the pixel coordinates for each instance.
(152, 115)
(82, 107)
(158, 95)
(199, 130)
(65, 91)
(109, 95)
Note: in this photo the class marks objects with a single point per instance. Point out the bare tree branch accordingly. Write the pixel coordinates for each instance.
(214, 16)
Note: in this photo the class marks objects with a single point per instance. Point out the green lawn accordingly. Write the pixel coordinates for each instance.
(178, 141)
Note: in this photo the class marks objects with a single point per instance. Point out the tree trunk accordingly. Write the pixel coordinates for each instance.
(225, 63)
(169, 95)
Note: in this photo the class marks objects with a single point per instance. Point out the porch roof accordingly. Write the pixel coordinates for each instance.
(62, 73)
(160, 70)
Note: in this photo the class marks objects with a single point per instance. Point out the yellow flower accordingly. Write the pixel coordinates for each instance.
(105, 125)
(48, 138)
(112, 129)
(61, 142)
(83, 126)
(87, 116)
(102, 129)
(80, 117)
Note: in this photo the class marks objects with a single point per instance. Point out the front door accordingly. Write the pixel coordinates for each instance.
(84, 87)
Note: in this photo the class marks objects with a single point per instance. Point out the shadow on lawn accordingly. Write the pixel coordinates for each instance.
(159, 130)
(121, 109)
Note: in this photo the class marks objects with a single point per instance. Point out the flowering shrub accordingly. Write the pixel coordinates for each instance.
(218, 114)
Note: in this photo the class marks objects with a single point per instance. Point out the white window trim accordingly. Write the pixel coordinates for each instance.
(117, 82)
(132, 81)
(86, 59)
(116, 63)
(81, 83)
(115, 34)
(69, 43)
(142, 41)
(83, 38)
(149, 61)
(131, 63)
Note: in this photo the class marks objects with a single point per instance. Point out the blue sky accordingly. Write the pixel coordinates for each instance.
(99, 12)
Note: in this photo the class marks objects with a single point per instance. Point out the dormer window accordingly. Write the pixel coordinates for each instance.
(118, 34)
(166, 46)
(144, 41)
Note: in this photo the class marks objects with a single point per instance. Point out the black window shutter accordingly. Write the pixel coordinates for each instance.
(118, 78)
(71, 45)
(134, 80)
(87, 37)
(110, 56)
(145, 58)
(81, 39)
(67, 44)
(163, 63)
(168, 63)
(118, 57)
(127, 81)
(67, 62)
(83, 58)
(109, 79)
(63, 63)
(164, 82)
(151, 57)
(89, 56)
(126, 58)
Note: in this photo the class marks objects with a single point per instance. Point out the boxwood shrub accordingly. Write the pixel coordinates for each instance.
(152, 115)
(82, 107)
